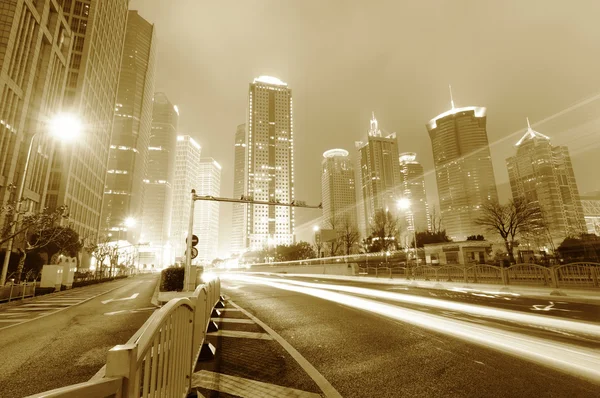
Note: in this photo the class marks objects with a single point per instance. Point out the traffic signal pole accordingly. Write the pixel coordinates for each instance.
(189, 284)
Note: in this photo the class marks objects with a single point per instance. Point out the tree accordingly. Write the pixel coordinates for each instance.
(384, 231)
(586, 247)
(294, 252)
(66, 242)
(113, 256)
(349, 235)
(475, 237)
(100, 252)
(509, 221)
(435, 220)
(428, 237)
(335, 244)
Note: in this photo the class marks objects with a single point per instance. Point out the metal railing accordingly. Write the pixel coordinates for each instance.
(17, 291)
(159, 359)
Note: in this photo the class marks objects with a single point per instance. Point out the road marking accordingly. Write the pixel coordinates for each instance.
(245, 388)
(130, 311)
(44, 305)
(324, 385)
(228, 309)
(132, 297)
(244, 335)
(12, 320)
(232, 320)
(27, 309)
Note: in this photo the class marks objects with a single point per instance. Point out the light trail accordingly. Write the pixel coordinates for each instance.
(559, 356)
(504, 315)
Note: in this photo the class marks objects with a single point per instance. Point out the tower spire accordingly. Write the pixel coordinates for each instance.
(374, 128)
(451, 98)
(528, 125)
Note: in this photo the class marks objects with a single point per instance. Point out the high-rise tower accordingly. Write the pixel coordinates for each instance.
(413, 188)
(239, 220)
(270, 160)
(380, 179)
(338, 191)
(206, 213)
(463, 168)
(543, 175)
(128, 155)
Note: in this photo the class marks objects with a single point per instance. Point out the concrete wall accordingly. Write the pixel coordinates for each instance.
(322, 269)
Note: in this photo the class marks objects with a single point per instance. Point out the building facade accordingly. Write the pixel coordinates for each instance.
(239, 215)
(379, 175)
(79, 169)
(158, 191)
(543, 175)
(35, 45)
(187, 168)
(206, 217)
(413, 189)
(270, 163)
(338, 190)
(128, 155)
(591, 212)
(463, 168)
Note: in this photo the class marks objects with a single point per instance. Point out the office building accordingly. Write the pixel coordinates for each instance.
(79, 169)
(239, 218)
(270, 159)
(591, 212)
(206, 217)
(338, 190)
(543, 175)
(413, 189)
(187, 168)
(128, 155)
(379, 175)
(158, 192)
(463, 168)
(35, 42)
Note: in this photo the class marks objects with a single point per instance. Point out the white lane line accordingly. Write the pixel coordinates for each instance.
(245, 388)
(27, 309)
(11, 320)
(243, 335)
(130, 311)
(324, 385)
(232, 320)
(132, 297)
(228, 309)
(44, 304)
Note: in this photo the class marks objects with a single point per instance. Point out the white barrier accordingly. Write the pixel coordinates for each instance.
(159, 359)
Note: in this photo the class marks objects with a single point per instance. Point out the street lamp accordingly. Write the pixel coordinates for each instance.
(130, 222)
(317, 238)
(63, 127)
(405, 205)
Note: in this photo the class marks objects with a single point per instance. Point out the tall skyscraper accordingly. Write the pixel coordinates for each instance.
(463, 168)
(158, 192)
(239, 221)
(413, 188)
(338, 190)
(591, 212)
(543, 175)
(270, 157)
(128, 155)
(206, 217)
(35, 42)
(79, 169)
(187, 168)
(380, 179)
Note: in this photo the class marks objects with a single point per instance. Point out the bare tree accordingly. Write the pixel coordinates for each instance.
(435, 219)
(113, 255)
(510, 220)
(349, 234)
(335, 244)
(385, 229)
(100, 252)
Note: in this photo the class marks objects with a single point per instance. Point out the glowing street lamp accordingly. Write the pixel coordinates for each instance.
(130, 222)
(64, 127)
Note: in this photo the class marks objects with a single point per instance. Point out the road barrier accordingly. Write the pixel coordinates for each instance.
(159, 359)
(17, 291)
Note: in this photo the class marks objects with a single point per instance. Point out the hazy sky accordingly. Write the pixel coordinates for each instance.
(346, 58)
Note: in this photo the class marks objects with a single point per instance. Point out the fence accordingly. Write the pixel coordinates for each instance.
(160, 357)
(17, 291)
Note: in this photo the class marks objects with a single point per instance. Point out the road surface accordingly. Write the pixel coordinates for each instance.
(63, 339)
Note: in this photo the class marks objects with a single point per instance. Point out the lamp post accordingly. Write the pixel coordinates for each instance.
(405, 204)
(65, 127)
(318, 243)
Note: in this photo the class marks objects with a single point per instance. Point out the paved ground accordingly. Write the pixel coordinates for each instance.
(366, 345)
(62, 339)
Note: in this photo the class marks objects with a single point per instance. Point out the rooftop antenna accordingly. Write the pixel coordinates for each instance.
(451, 99)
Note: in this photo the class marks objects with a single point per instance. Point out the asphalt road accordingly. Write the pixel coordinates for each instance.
(69, 345)
(393, 341)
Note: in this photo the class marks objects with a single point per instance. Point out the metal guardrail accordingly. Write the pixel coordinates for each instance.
(13, 291)
(159, 359)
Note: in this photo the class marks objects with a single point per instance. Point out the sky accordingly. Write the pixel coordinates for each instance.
(344, 59)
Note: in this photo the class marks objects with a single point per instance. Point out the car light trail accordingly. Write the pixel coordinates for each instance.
(560, 356)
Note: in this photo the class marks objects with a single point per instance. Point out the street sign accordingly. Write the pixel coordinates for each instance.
(194, 250)
(194, 240)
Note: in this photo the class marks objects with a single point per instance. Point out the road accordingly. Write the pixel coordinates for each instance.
(390, 341)
(62, 339)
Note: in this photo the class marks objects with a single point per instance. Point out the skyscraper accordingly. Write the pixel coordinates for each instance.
(338, 191)
(270, 159)
(128, 155)
(380, 179)
(206, 217)
(158, 192)
(591, 212)
(413, 188)
(79, 169)
(35, 39)
(543, 175)
(238, 225)
(463, 168)
(187, 167)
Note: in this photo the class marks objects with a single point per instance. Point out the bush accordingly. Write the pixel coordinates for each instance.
(171, 279)
(40, 291)
(94, 281)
